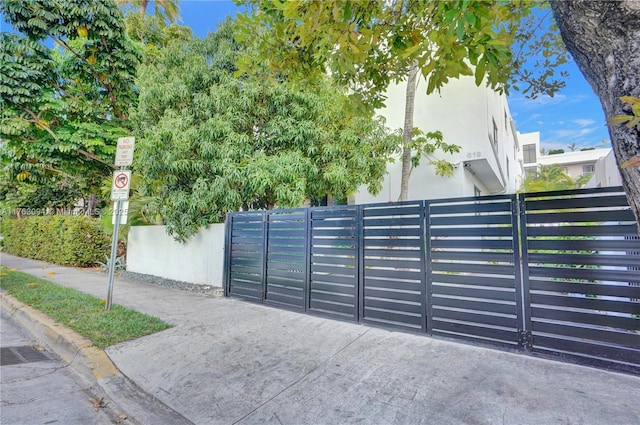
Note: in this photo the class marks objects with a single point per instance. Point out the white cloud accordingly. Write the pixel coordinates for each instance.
(583, 122)
(521, 102)
(571, 134)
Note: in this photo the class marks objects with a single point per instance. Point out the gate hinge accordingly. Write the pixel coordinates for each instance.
(525, 339)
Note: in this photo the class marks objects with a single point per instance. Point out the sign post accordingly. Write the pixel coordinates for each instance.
(120, 195)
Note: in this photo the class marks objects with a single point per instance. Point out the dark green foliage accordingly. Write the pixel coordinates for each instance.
(556, 151)
(67, 240)
(81, 312)
(62, 109)
(212, 141)
(552, 177)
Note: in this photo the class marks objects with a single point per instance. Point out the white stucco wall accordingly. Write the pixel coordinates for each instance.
(573, 161)
(464, 113)
(150, 250)
(606, 173)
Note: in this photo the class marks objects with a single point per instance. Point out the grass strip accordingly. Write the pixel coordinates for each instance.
(81, 312)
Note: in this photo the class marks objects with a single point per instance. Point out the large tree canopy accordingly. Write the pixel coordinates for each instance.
(367, 45)
(63, 108)
(210, 141)
(604, 39)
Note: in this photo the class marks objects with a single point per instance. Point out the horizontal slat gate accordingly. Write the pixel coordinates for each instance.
(334, 262)
(453, 268)
(246, 260)
(474, 269)
(286, 258)
(583, 275)
(393, 265)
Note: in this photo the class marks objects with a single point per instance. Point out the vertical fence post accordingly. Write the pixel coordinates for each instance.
(359, 241)
(426, 259)
(226, 271)
(265, 251)
(524, 319)
(307, 260)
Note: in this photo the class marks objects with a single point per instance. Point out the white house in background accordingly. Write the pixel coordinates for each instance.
(475, 118)
(599, 162)
(606, 172)
(529, 151)
(576, 164)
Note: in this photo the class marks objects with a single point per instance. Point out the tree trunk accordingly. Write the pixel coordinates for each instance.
(407, 133)
(91, 208)
(604, 39)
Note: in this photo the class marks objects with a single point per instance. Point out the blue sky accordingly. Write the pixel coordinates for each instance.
(572, 116)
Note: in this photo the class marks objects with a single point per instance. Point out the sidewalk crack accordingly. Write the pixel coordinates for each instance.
(303, 377)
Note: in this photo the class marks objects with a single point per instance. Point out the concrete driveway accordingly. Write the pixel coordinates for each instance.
(233, 362)
(247, 363)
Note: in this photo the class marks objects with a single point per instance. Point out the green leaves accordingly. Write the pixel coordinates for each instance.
(552, 177)
(63, 108)
(210, 141)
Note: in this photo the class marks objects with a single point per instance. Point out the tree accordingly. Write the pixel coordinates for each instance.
(63, 108)
(370, 44)
(166, 10)
(210, 141)
(573, 147)
(603, 39)
(552, 177)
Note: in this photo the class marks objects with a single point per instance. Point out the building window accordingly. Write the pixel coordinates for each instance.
(588, 169)
(495, 133)
(529, 153)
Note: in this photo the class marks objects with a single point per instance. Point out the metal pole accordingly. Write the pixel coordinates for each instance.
(112, 261)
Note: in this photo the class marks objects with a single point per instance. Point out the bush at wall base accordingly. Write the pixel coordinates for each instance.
(67, 240)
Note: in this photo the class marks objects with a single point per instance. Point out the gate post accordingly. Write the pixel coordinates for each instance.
(226, 278)
(359, 241)
(519, 213)
(426, 258)
(307, 260)
(265, 251)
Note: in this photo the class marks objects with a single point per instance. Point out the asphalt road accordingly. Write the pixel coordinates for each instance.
(37, 388)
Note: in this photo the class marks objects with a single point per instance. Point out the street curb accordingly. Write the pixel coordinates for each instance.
(92, 365)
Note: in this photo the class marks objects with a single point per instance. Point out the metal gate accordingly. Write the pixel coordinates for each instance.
(474, 269)
(553, 273)
(581, 267)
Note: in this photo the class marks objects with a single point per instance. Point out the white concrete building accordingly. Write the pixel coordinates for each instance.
(530, 150)
(606, 172)
(475, 118)
(576, 164)
(600, 163)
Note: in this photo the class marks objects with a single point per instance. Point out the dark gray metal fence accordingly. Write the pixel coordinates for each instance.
(333, 280)
(581, 265)
(554, 273)
(474, 268)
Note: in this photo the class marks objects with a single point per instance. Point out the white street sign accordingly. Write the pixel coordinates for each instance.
(120, 186)
(123, 209)
(124, 151)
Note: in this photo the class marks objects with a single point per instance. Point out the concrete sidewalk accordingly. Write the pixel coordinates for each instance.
(228, 362)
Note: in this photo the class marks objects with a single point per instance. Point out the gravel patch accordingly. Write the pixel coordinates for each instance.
(209, 290)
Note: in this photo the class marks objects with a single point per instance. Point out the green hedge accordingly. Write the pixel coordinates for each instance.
(67, 240)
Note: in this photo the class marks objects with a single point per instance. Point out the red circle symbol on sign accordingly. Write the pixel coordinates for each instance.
(121, 181)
